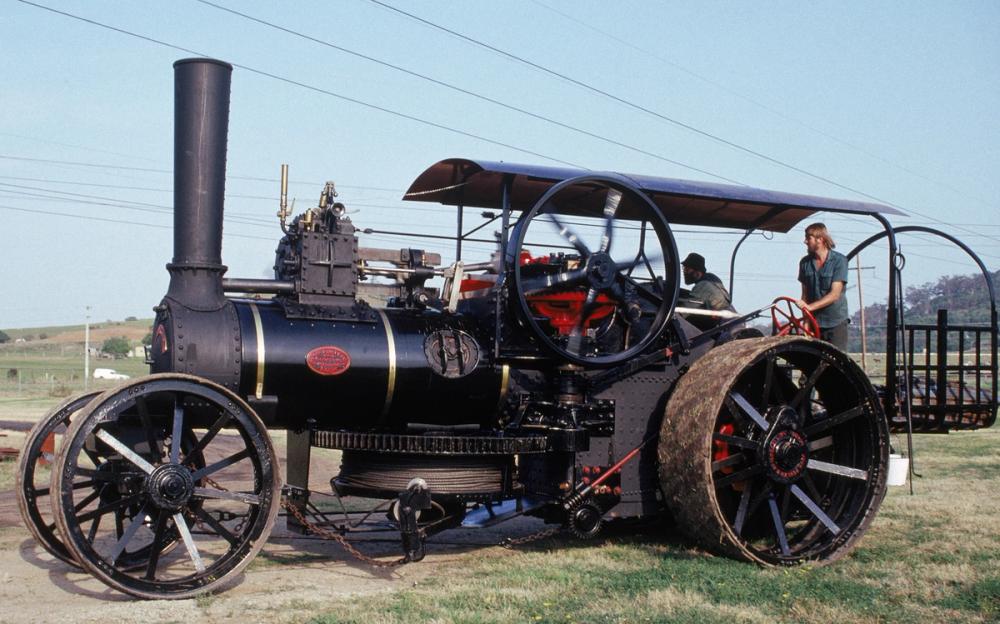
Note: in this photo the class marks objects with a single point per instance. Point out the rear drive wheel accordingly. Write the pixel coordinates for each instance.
(774, 450)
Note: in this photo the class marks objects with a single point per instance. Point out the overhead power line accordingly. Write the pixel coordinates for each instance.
(468, 134)
(630, 104)
(70, 145)
(168, 171)
(774, 111)
(251, 219)
(470, 93)
(117, 221)
(309, 87)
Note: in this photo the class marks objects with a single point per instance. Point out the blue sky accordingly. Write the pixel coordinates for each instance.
(896, 101)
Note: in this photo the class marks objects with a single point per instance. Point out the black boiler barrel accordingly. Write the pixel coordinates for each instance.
(361, 376)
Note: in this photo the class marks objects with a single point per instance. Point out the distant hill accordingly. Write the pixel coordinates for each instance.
(964, 296)
(133, 330)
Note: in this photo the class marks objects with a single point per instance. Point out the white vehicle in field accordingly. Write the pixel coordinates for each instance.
(109, 373)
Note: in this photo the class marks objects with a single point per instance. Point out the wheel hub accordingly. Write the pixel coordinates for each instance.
(601, 270)
(786, 455)
(170, 486)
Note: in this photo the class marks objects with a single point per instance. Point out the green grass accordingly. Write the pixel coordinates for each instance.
(929, 557)
(39, 375)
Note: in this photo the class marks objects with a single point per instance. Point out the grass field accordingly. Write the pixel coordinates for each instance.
(53, 366)
(931, 557)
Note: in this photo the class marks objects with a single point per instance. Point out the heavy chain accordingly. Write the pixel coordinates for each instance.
(511, 542)
(325, 533)
(340, 539)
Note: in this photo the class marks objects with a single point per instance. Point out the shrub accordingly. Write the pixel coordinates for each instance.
(116, 347)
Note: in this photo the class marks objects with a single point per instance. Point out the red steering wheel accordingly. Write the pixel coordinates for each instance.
(785, 319)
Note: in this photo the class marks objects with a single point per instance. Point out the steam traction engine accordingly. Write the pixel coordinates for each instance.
(568, 378)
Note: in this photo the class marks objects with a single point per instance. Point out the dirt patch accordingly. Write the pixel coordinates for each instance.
(291, 578)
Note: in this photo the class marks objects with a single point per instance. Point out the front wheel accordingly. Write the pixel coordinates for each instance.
(174, 455)
(774, 450)
(34, 475)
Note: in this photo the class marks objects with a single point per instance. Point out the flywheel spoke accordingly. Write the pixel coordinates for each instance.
(154, 553)
(749, 410)
(733, 460)
(821, 443)
(558, 281)
(242, 497)
(735, 441)
(221, 530)
(89, 498)
(833, 421)
(129, 533)
(758, 498)
(741, 510)
(94, 525)
(610, 208)
(566, 232)
(147, 427)
(575, 341)
(222, 463)
(110, 507)
(216, 427)
(189, 544)
(125, 451)
(808, 386)
(837, 469)
(814, 509)
(177, 433)
(96, 475)
(779, 526)
(742, 475)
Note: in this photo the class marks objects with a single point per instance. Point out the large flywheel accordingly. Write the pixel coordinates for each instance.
(595, 270)
(166, 460)
(774, 450)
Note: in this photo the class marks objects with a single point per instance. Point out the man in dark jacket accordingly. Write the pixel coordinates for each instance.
(708, 288)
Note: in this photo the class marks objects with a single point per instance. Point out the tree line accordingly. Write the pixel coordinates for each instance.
(966, 297)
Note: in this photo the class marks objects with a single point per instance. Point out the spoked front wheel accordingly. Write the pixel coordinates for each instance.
(34, 475)
(774, 450)
(182, 457)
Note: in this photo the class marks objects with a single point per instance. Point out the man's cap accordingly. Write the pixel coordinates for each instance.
(695, 261)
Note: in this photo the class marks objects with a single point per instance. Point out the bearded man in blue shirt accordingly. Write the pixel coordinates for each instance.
(823, 274)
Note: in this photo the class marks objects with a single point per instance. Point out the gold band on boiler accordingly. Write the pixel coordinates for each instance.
(259, 330)
(391, 348)
(504, 381)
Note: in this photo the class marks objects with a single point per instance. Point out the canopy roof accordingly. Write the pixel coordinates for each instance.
(479, 183)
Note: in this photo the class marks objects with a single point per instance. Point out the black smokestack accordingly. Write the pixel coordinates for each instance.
(201, 125)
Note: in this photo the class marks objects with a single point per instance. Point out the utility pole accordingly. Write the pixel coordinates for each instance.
(861, 305)
(86, 351)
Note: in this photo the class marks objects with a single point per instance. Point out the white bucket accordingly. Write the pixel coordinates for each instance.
(899, 466)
